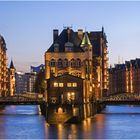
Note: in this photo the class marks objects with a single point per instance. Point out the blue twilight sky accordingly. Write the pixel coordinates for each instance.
(27, 27)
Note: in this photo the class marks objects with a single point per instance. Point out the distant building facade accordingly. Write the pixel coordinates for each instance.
(79, 55)
(3, 68)
(30, 79)
(20, 83)
(125, 78)
(25, 82)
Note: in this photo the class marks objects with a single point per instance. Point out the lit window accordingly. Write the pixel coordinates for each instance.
(68, 84)
(61, 84)
(74, 84)
(68, 96)
(72, 95)
(55, 84)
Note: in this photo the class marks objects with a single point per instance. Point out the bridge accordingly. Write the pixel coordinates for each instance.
(123, 98)
(22, 99)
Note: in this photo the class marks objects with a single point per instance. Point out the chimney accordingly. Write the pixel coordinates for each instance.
(55, 34)
(80, 33)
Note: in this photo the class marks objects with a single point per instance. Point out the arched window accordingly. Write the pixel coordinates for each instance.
(65, 63)
(72, 63)
(78, 63)
(52, 63)
(60, 63)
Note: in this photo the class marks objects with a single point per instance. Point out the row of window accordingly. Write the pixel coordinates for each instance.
(68, 47)
(55, 84)
(65, 63)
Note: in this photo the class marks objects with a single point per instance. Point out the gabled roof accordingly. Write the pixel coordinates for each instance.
(65, 37)
(66, 75)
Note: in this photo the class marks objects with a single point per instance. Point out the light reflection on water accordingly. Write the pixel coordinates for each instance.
(114, 122)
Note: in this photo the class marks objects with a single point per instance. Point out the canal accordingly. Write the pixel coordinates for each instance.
(115, 122)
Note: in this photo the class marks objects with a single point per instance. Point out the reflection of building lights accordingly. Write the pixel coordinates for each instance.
(98, 85)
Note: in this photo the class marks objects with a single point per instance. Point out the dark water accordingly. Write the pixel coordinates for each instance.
(115, 122)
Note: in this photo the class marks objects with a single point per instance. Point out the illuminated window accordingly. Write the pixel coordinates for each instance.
(74, 84)
(70, 96)
(61, 84)
(69, 84)
(55, 84)
(60, 110)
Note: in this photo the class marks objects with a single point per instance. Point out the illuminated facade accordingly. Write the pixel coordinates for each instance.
(81, 55)
(125, 78)
(12, 80)
(3, 68)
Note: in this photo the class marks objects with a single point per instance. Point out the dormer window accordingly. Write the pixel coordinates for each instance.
(56, 47)
(68, 47)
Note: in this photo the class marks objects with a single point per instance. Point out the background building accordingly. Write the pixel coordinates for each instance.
(125, 78)
(11, 79)
(3, 68)
(25, 82)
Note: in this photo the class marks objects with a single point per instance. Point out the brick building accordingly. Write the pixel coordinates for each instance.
(79, 55)
(3, 68)
(125, 78)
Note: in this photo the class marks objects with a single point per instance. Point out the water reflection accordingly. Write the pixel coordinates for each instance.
(24, 122)
(21, 122)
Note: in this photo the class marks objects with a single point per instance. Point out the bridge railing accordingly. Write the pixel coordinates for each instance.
(123, 97)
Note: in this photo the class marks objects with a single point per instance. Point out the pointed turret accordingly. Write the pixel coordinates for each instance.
(102, 29)
(12, 79)
(12, 65)
(85, 40)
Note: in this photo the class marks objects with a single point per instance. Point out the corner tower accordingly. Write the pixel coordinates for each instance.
(12, 80)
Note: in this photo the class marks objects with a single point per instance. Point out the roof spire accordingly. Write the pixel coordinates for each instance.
(12, 65)
(85, 40)
(102, 29)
